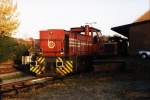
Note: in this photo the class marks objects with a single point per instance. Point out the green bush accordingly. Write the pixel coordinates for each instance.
(11, 49)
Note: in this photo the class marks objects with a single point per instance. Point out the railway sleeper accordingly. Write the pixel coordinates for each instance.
(13, 89)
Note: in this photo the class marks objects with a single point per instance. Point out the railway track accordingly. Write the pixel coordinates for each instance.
(14, 87)
(7, 68)
(24, 83)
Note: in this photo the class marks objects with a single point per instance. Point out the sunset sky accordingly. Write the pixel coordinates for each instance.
(38, 15)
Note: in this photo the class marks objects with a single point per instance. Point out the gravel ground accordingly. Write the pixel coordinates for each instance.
(90, 87)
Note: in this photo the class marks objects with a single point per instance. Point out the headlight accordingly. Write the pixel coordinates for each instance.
(62, 51)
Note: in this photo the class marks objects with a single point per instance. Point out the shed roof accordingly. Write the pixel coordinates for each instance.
(124, 29)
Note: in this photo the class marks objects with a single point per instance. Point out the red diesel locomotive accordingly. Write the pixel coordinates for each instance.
(63, 52)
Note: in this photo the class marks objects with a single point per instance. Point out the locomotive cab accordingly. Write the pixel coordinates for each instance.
(52, 42)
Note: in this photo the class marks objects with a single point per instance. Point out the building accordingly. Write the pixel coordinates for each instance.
(138, 33)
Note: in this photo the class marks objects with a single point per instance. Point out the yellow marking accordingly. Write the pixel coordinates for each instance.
(36, 67)
(68, 71)
(38, 70)
(42, 60)
(31, 67)
(43, 68)
(63, 70)
(57, 69)
(68, 67)
(67, 62)
(60, 59)
(57, 60)
(39, 59)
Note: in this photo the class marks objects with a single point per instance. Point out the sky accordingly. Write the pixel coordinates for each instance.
(36, 15)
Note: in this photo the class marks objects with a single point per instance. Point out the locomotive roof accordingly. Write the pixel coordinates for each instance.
(82, 29)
